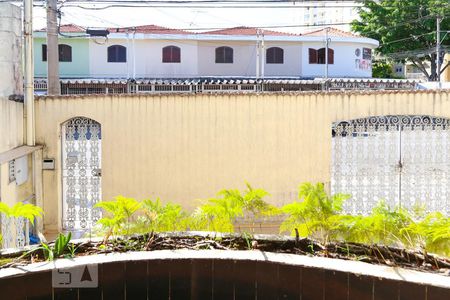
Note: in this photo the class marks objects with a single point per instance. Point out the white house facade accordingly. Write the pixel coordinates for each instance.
(158, 52)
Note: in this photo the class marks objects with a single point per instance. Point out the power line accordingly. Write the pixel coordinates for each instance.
(300, 25)
(216, 4)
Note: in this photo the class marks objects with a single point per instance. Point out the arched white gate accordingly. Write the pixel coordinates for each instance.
(81, 173)
(404, 160)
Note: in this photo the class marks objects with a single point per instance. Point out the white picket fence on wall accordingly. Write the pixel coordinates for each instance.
(213, 85)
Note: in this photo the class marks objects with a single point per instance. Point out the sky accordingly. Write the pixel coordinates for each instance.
(198, 17)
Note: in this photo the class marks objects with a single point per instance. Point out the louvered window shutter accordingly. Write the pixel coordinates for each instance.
(312, 56)
(330, 56)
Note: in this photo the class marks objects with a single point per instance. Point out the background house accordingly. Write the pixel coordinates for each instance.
(157, 52)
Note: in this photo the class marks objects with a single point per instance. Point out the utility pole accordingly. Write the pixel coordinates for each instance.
(263, 53)
(29, 70)
(438, 51)
(327, 41)
(258, 47)
(53, 86)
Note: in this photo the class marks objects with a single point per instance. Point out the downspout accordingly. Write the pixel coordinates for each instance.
(36, 157)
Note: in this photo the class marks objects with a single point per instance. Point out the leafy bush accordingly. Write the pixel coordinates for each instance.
(317, 215)
(220, 213)
(432, 233)
(20, 210)
(120, 212)
(383, 226)
(159, 217)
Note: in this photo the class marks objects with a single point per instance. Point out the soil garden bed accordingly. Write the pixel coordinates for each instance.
(374, 254)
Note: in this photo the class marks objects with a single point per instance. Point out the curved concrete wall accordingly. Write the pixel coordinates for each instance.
(185, 147)
(216, 274)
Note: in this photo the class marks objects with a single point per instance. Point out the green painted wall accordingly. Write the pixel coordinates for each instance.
(78, 67)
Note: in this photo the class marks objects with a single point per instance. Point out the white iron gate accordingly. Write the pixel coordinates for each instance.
(404, 160)
(81, 172)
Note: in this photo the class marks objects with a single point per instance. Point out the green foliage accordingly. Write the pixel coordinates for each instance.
(119, 213)
(405, 29)
(158, 217)
(58, 249)
(20, 210)
(383, 226)
(432, 233)
(220, 213)
(382, 70)
(317, 215)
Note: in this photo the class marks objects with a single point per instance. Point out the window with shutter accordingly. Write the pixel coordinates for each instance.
(171, 54)
(330, 56)
(224, 55)
(44, 52)
(117, 53)
(321, 58)
(274, 55)
(312, 56)
(65, 53)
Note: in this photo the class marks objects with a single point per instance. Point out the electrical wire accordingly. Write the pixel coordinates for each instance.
(218, 4)
(296, 26)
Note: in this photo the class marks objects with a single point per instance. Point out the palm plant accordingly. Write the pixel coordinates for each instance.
(317, 215)
(120, 212)
(383, 226)
(432, 233)
(220, 213)
(159, 217)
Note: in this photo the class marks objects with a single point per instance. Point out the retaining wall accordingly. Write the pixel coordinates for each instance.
(214, 274)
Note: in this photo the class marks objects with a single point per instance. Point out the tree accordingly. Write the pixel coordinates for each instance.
(406, 30)
(382, 70)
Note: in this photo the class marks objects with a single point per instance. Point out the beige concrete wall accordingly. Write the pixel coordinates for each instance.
(11, 113)
(446, 75)
(11, 136)
(10, 50)
(185, 147)
(11, 124)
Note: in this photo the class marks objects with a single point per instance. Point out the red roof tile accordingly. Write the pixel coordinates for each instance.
(247, 31)
(152, 29)
(331, 32)
(68, 28)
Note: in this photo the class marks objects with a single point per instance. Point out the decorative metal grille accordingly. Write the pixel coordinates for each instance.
(404, 160)
(81, 140)
(15, 232)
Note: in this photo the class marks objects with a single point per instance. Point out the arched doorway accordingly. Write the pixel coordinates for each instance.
(81, 173)
(404, 160)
